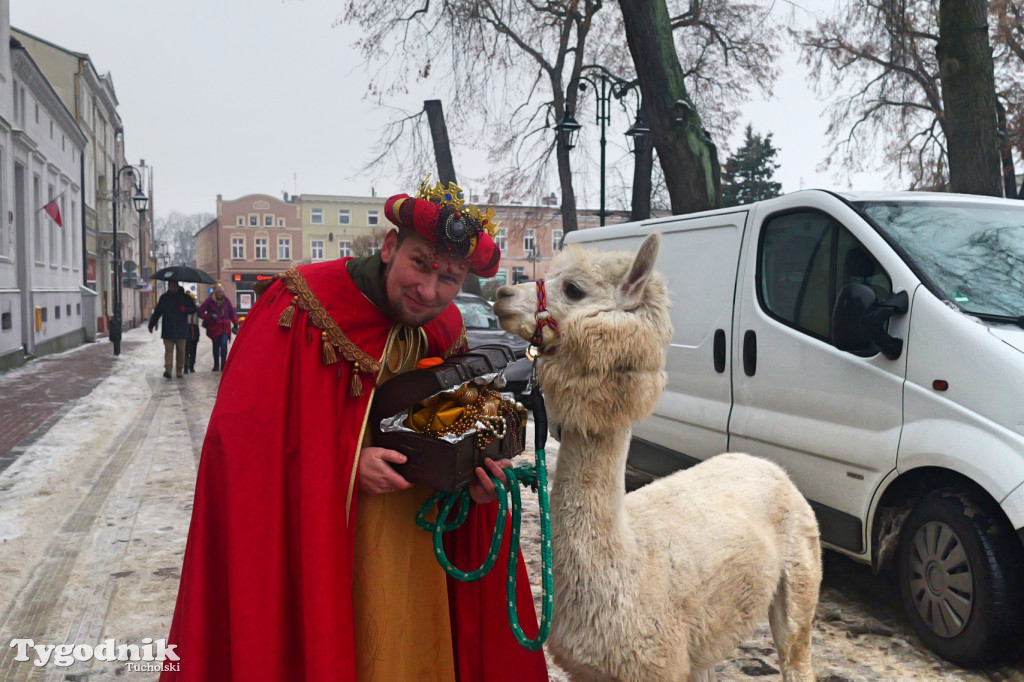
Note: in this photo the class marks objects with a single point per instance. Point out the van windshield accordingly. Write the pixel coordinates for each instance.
(973, 253)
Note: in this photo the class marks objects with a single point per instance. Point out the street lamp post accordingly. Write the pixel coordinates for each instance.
(568, 128)
(141, 203)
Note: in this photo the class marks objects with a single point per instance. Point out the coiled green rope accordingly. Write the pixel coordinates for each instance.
(535, 477)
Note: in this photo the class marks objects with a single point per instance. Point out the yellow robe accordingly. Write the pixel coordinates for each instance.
(402, 625)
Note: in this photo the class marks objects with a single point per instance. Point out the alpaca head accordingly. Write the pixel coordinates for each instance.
(603, 365)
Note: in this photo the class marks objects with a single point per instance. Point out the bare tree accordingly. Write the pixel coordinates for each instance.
(522, 73)
(969, 97)
(509, 65)
(877, 61)
(178, 230)
(685, 151)
(365, 244)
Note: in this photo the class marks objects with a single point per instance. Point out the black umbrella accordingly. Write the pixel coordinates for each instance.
(183, 273)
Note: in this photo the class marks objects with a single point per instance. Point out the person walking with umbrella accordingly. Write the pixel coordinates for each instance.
(174, 306)
(219, 316)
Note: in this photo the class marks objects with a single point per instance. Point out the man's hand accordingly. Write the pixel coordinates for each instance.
(483, 489)
(376, 475)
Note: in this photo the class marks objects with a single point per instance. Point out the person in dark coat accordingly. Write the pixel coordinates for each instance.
(219, 316)
(174, 306)
(192, 342)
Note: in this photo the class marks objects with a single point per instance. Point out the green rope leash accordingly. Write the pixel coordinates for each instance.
(535, 477)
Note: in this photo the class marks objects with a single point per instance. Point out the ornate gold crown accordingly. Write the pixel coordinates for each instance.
(449, 196)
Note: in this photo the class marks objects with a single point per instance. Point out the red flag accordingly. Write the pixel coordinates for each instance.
(53, 211)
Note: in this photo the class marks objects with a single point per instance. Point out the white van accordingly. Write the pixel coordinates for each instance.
(873, 345)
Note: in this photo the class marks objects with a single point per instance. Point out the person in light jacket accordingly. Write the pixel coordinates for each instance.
(219, 316)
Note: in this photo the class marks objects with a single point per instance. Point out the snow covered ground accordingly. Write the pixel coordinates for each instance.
(94, 516)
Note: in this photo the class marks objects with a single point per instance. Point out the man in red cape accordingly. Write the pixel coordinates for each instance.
(303, 559)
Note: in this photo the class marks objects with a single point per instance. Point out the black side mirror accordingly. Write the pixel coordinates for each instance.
(859, 320)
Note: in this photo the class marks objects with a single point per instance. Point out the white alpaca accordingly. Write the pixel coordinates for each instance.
(665, 582)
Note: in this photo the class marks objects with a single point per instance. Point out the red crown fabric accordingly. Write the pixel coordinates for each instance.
(440, 225)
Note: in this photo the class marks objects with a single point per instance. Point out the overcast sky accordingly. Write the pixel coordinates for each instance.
(235, 97)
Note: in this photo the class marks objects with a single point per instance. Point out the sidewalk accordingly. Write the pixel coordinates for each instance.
(95, 501)
(34, 396)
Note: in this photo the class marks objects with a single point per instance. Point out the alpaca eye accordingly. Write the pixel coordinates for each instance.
(573, 292)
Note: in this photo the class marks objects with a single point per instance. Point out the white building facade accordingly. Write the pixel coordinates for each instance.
(93, 102)
(41, 147)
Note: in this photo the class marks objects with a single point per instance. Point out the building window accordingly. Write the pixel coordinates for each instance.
(4, 227)
(63, 234)
(56, 312)
(254, 220)
(78, 309)
(372, 217)
(54, 231)
(316, 216)
(37, 195)
(502, 240)
(344, 249)
(238, 248)
(284, 248)
(344, 217)
(261, 248)
(518, 274)
(556, 240)
(73, 222)
(6, 322)
(529, 241)
(316, 249)
(241, 221)
(42, 311)
(280, 222)
(69, 309)
(268, 221)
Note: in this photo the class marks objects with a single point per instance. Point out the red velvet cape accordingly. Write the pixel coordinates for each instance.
(266, 586)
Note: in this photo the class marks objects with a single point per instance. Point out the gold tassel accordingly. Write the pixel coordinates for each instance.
(288, 314)
(327, 350)
(356, 386)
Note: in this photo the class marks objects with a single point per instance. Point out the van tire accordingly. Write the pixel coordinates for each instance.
(947, 535)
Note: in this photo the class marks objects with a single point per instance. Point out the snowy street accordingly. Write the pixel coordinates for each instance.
(94, 514)
(95, 507)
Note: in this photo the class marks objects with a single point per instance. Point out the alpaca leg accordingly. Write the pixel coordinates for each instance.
(791, 615)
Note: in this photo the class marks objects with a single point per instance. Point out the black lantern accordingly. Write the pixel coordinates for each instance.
(140, 200)
(638, 135)
(567, 130)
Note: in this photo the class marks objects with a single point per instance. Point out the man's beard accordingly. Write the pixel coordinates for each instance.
(397, 314)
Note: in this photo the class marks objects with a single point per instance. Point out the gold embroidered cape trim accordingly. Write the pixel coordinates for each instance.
(331, 335)
(459, 346)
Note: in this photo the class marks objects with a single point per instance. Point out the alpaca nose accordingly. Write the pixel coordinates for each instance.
(506, 291)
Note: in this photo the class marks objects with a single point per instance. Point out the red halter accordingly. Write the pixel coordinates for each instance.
(546, 320)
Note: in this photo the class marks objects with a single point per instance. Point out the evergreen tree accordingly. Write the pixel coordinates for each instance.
(748, 173)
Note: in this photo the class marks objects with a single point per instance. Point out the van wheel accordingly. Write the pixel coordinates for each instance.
(959, 576)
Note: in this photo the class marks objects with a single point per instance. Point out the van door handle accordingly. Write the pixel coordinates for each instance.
(719, 351)
(750, 353)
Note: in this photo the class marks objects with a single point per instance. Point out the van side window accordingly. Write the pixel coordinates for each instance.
(805, 259)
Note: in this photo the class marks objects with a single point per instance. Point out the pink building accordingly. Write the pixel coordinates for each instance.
(253, 237)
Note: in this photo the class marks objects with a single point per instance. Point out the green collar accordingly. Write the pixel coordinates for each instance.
(367, 272)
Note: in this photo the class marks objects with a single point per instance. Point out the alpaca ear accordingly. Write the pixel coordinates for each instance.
(643, 266)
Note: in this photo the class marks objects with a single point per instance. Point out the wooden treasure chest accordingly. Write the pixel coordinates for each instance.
(447, 418)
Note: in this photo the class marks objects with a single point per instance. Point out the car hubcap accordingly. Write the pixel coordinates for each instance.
(940, 579)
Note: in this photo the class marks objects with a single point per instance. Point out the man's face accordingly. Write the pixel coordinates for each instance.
(173, 287)
(417, 293)
(218, 291)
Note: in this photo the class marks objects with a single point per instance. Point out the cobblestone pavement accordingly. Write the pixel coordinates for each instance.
(95, 507)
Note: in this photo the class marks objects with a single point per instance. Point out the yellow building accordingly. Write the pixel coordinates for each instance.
(335, 226)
